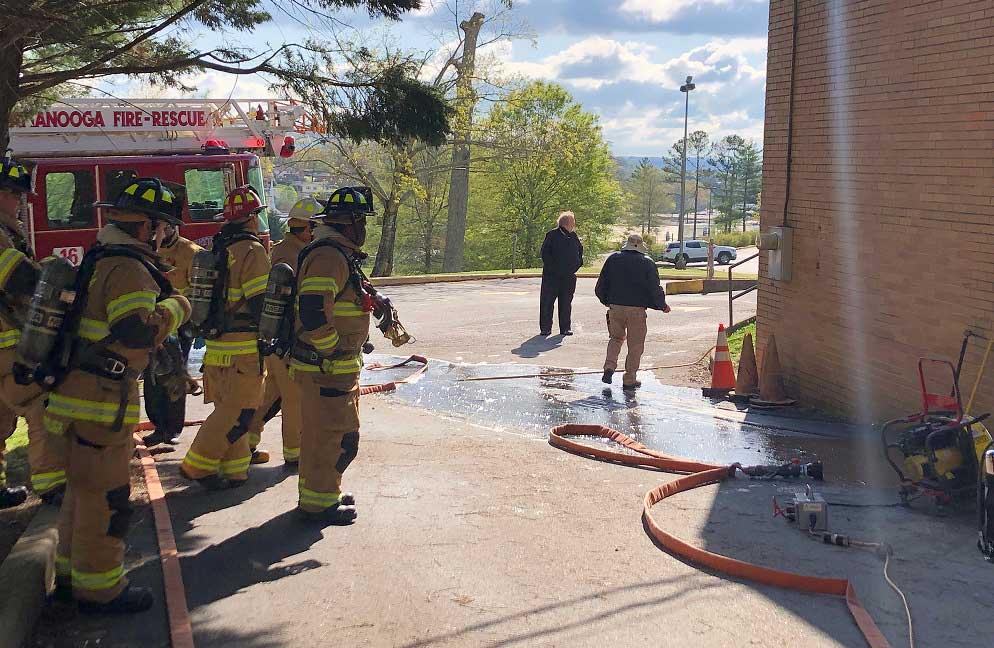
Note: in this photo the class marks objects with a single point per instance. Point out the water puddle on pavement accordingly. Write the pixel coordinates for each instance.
(674, 420)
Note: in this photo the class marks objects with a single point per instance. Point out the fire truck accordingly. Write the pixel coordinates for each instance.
(82, 151)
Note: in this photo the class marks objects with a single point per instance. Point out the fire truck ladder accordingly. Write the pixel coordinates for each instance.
(100, 127)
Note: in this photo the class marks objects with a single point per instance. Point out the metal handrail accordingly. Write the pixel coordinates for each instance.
(733, 296)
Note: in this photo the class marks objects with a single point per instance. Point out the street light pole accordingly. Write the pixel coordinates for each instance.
(686, 88)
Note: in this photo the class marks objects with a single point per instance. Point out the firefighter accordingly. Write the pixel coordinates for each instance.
(280, 392)
(18, 276)
(331, 327)
(167, 381)
(124, 309)
(233, 370)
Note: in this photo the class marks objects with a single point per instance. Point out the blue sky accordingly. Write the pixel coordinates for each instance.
(622, 59)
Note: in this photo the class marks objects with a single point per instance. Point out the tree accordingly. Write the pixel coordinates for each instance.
(724, 159)
(647, 194)
(286, 197)
(430, 200)
(392, 169)
(699, 143)
(455, 233)
(52, 47)
(562, 163)
(750, 170)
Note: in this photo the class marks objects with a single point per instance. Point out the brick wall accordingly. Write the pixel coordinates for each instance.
(892, 197)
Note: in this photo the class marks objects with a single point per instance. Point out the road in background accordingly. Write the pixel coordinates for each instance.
(497, 321)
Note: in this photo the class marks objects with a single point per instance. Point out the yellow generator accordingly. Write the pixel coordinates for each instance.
(941, 448)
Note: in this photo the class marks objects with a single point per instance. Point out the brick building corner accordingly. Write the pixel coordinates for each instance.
(891, 197)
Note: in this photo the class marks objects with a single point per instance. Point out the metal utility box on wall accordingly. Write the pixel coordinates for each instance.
(778, 242)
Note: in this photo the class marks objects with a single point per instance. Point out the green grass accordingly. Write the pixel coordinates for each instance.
(16, 454)
(20, 437)
(735, 340)
(665, 271)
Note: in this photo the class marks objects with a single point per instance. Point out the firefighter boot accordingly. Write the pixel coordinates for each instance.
(132, 600)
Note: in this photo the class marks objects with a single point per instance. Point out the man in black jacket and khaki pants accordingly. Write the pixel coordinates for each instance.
(562, 256)
(628, 285)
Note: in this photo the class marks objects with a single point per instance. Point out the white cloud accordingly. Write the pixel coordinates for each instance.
(661, 11)
(594, 61)
(636, 91)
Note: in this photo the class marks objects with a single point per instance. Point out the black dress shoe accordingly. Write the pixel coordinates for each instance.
(635, 385)
(545, 333)
(153, 439)
(131, 600)
(608, 376)
(567, 332)
(11, 497)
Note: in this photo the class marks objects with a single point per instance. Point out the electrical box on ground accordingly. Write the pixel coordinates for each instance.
(778, 243)
(811, 511)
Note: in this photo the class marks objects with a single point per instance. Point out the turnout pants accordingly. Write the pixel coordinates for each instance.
(626, 322)
(46, 453)
(280, 393)
(222, 444)
(96, 513)
(556, 288)
(330, 440)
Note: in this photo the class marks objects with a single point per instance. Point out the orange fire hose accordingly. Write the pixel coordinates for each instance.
(702, 474)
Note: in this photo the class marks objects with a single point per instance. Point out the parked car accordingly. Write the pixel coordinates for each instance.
(697, 251)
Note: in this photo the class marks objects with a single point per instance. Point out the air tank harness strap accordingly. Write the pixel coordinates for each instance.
(96, 358)
(307, 354)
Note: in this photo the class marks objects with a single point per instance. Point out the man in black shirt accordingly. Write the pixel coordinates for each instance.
(562, 256)
(628, 285)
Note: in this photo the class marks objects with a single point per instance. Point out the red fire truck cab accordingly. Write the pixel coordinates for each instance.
(82, 151)
(62, 221)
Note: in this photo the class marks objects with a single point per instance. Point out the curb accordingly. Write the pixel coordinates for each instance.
(25, 578)
(688, 287)
(706, 286)
(722, 285)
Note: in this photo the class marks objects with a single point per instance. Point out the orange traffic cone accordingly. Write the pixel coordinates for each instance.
(771, 390)
(747, 382)
(722, 372)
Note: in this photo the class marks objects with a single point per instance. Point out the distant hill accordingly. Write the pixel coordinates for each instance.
(627, 163)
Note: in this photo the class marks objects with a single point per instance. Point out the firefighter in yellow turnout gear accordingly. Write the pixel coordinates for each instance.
(330, 329)
(219, 457)
(280, 392)
(125, 309)
(18, 276)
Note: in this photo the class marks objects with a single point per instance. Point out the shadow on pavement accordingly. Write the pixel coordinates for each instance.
(554, 625)
(535, 345)
(247, 558)
(188, 501)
